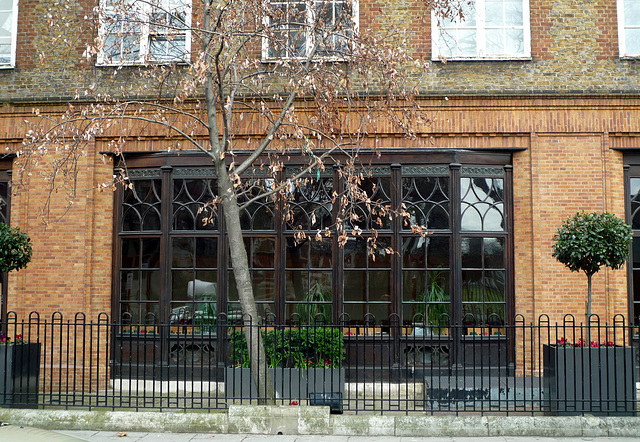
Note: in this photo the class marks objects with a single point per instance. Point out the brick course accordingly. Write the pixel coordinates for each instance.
(565, 108)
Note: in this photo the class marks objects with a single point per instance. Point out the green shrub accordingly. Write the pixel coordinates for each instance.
(15, 249)
(306, 347)
(587, 241)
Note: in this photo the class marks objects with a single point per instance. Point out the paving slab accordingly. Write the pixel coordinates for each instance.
(17, 433)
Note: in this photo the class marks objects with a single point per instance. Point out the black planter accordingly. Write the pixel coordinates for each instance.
(594, 380)
(19, 375)
(323, 386)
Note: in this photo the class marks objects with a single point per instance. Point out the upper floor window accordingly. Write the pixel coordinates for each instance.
(8, 28)
(134, 32)
(297, 25)
(487, 29)
(629, 28)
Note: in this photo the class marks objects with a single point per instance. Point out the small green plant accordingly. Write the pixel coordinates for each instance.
(316, 302)
(15, 248)
(587, 241)
(306, 347)
(435, 300)
(206, 316)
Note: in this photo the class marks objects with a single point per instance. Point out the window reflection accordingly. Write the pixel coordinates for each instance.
(482, 205)
(299, 277)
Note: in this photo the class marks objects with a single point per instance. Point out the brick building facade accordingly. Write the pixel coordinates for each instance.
(563, 118)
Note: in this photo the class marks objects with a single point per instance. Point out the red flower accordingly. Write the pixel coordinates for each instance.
(563, 341)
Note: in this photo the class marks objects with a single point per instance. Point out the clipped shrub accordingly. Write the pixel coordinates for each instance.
(306, 347)
(15, 248)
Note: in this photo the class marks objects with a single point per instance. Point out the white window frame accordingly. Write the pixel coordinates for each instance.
(481, 28)
(309, 40)
(622, 28)
(146, 10)
(13, 38)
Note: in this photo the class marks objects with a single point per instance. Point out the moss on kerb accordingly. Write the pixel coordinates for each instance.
(316, 420)
(117, 420)
(364, 425)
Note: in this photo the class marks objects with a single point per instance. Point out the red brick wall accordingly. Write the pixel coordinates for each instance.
(566, 165)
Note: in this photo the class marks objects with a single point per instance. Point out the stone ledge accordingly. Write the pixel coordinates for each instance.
(293, 420)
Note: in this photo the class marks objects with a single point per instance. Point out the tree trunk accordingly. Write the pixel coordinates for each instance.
(239, 261)
(240, 264)
(588, 296)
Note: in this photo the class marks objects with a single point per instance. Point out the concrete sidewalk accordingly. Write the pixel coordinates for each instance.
(110, 436)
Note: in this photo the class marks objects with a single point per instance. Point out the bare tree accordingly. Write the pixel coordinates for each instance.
(300, 73)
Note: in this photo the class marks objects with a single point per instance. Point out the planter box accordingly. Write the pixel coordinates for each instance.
(289, 383)
(599, 380)
(19, 375)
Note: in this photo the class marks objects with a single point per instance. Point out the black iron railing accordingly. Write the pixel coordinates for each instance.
(521, 368)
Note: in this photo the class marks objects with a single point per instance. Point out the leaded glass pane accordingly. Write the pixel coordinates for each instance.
(482, 204)
(142, 206)
(369, 214)
(192, 208)
(4, 198)
(634, 195)
(312, 204)
(259, 215)
(426, 199)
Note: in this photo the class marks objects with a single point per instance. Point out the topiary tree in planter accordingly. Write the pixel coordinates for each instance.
(15, 248)
(19, 360)
(15, 253)
(587, 241)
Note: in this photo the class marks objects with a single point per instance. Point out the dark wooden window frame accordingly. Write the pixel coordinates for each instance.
(5, 215)
(457, 161)
(631, 161)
